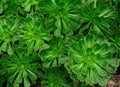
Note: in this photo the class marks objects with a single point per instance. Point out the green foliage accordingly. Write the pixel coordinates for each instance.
(63, 14)
(51, 78)
(2, 2)
(55, 55)
(18, 68)
(33, 33)
(17, 7)
(64, 43)
(96, 18)
(90, 59)
(8, 28)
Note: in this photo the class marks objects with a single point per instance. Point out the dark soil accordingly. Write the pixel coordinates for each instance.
(114, 81)
(38, 83)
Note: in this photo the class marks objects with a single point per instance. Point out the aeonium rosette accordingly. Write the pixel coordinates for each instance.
(94, 17)
(19, 68)
(55, 55)
(55, 77)
(91, 59)
(63, 14)
(8, 29)
(33, 34)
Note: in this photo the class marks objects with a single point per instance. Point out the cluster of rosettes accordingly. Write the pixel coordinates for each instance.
(91, 60)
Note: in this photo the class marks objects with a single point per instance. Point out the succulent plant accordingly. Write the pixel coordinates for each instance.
(63, 13)
(8, 28)
(55, 55)
(59, 43)
(2, 2)
(91, 59)
(94, 17)
(28, 3)
(19, 69)
(14, 7)
(34, 34)
(55, 77)
(117, 38)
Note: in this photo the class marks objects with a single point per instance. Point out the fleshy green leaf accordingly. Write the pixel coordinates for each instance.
(114, 62)
(26, 83)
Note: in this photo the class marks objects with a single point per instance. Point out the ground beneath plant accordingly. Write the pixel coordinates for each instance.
(114, 81)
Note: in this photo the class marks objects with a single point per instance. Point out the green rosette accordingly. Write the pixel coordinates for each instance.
(91, 59)
(63, 14)
(19, 69)
(33, 34)
(55, 55)
(54, 77)
(97, 15)
(8, 29)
